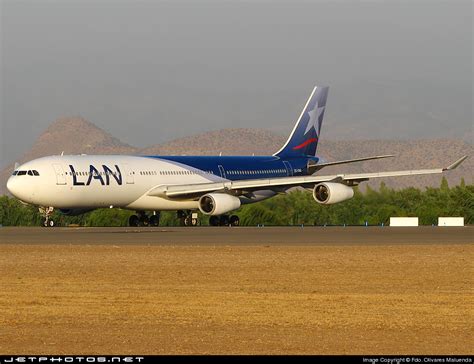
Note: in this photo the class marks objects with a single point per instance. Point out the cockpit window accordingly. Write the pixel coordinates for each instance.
(31, 172)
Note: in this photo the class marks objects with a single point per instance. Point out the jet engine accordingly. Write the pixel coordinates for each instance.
(218, 203)
(329, 193)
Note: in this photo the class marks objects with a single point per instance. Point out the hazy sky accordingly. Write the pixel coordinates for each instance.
(150, 71)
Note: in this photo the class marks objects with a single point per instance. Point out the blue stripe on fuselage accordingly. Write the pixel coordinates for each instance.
(243, 167)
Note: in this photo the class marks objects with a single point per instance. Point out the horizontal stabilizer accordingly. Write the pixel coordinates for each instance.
(455, 164)
(314, 167)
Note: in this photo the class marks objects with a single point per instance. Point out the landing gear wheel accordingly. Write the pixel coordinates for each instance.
(154, 220)
(133, 221)
(194, 222)
(188, 221)
(49, 223)
(214, 221)
(234, 220)
(224, 220)
(144, 220)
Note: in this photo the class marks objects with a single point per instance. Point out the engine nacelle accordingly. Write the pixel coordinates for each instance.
(329, 192)
(218, 203)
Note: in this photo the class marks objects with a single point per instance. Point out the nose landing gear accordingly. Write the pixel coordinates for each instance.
(46, 212)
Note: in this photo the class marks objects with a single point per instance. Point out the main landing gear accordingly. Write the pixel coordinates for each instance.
(142, 219)
(187, 218)
(224, 220)
(46, 212)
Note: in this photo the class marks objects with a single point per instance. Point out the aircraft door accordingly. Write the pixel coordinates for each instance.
(60, 174)
(221, 169)
(129, 178)
(289, 168)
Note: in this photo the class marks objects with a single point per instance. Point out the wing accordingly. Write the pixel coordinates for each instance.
(282, 183)
(314, 167)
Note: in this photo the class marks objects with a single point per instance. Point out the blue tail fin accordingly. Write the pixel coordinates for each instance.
(304, 138)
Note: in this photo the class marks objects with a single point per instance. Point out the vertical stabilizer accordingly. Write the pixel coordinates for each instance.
(304, 138)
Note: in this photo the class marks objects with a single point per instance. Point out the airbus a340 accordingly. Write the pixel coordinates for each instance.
(216, 185)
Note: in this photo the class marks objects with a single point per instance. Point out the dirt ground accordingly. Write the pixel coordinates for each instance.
(129, 299)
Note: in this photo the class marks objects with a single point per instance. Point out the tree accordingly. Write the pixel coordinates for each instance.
(444, 184)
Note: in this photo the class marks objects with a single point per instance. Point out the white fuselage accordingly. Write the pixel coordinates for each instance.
(88, 182)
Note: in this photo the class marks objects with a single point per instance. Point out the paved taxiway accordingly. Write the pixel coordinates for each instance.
(307, 235)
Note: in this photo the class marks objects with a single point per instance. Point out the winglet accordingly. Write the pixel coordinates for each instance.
(455, 164)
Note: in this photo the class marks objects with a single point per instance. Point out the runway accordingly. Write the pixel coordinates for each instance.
(241, 236)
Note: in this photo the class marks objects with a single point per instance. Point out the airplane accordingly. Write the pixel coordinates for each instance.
(213, 185)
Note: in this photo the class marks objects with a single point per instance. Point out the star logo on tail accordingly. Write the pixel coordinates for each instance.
(314, 118)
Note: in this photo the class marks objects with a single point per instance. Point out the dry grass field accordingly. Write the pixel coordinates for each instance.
(129, 299)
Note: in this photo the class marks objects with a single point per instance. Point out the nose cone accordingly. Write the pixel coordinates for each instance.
(17, 187)
(12, 186)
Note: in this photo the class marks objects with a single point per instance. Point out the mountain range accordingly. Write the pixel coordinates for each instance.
(77, 135)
